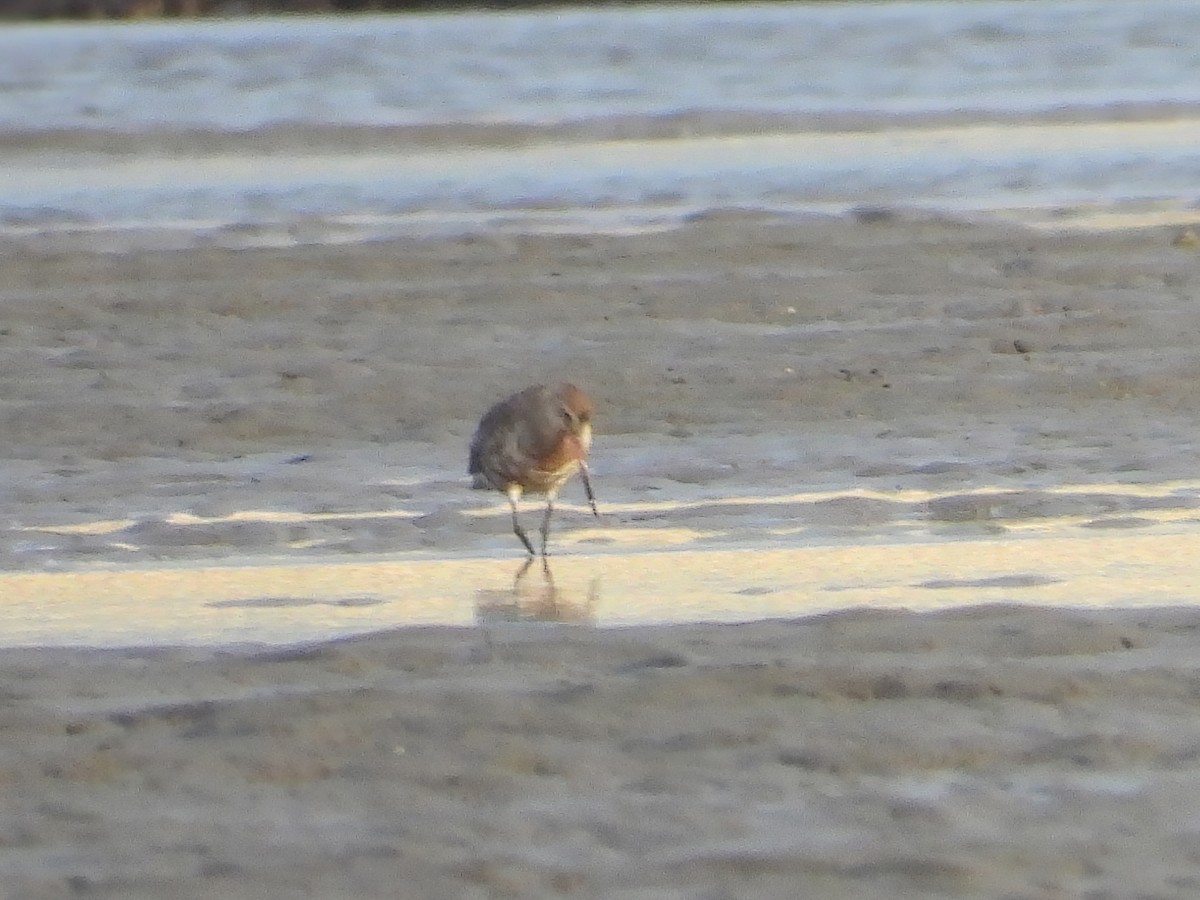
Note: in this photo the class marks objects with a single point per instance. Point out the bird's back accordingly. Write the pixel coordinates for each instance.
(522, 440)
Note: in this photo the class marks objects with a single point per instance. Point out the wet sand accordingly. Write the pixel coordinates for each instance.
(849, 383)
(990, 752)
(220, 402)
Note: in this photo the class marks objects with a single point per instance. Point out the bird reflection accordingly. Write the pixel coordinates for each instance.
(536, 599)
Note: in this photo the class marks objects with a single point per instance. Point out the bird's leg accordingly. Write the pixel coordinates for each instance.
(546, 522)
(513, 494)
(520, 532)
(587, 486)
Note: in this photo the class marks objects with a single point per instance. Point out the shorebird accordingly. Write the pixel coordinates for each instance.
(532, 443)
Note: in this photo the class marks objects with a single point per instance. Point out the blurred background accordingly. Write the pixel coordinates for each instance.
(330, 128)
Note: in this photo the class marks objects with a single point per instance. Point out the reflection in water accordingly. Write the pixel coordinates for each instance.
(214, 605)
(534, 599)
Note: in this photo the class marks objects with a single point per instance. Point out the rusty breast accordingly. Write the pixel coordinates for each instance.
(555, 467)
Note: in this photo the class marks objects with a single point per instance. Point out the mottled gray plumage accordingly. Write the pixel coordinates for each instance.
(533, 442)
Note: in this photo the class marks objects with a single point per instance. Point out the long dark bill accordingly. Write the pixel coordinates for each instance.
(587, 486)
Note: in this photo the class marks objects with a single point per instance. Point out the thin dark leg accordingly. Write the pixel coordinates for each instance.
(518, 530)
(587, 486)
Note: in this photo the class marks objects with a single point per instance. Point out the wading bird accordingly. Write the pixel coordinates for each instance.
(532, 443)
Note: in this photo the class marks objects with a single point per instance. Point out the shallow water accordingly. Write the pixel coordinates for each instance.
(597, 64)
(295, 131)
(284, 603)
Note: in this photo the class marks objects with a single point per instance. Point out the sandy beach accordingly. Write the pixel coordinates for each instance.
(838, 386)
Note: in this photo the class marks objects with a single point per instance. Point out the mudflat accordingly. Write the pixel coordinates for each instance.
(741, 354)
(881, 372)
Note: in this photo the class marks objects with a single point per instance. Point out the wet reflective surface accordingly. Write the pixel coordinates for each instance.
(285, 603)
(278, 132)
(535, 597)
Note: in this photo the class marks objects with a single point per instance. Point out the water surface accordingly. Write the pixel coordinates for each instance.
(277, 603)
(347, 128)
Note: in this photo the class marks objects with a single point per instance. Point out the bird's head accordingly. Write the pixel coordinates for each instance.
(575, 407)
